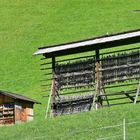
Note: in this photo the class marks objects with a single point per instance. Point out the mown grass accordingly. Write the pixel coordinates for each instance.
(25, 25)
(79, 126)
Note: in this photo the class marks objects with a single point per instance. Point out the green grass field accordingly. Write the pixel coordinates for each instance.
(26, 25)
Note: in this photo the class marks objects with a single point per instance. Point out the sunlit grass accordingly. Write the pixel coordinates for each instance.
(26, 25)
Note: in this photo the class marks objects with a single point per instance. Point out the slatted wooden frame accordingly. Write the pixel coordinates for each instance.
(111, 70)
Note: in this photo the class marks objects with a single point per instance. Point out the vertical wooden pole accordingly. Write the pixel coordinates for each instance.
(137, 93)
(52, 95)
(49, 100)
(53, 76)
(124, 132)
(98, 82)
(14, 111)
(53, 82)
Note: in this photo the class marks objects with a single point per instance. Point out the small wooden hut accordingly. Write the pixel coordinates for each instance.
(102, 69)
(15, 108)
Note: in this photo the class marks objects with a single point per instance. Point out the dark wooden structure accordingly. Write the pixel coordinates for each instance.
(96, 72)
(15, 108)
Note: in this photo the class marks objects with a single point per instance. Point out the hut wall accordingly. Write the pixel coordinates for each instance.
(23, 112)
(18, 112)
(29, 112)
(5, 99)
(6, 110)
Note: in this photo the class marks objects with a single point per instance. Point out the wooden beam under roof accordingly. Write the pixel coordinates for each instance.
(102, 42)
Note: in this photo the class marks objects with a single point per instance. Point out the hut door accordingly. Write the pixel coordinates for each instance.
(18, 109)
(23, 113)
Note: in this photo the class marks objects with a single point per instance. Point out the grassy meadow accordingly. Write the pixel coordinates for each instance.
(26, 25)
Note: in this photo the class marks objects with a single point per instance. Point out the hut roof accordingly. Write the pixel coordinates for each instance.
(17, 96)
(101, 42)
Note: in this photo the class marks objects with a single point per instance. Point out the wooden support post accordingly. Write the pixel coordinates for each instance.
(52, 95)
(138, 90)
(103, 89)
(94, 99)
(53, 88)
(98, 84)
(53, 77)
(124, 130)
(131, 98)
(49, 100)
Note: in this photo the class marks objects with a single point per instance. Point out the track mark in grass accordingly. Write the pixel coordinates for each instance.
(105, 138)
(35, 138)
(136, 11)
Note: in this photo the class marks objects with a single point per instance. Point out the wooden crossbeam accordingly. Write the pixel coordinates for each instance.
(120, 85)
(120, 103)
(130, 97)
(94, 101)
(120, 93)
(118, 98)
(121, 66)
(106, 98)
(124, 79)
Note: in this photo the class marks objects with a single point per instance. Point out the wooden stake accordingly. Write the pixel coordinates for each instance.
(47, 110)
(98, 85)
(124, 132)
(103, 89)
(53, 87)
(137, 93)
(52, 92)
(93, 104)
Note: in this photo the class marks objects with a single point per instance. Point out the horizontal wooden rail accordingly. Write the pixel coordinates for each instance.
(120, 93)
(67, 93)
(45, 74)
(88, 56)
(124, 79)
(80, 69)
(136, 48)
(77, 86)
(117, 98)
(76, 74)
(119, 85)
(117, 57)
(49, 79)
(120, 103)
(78, 92)
(107, 65)
(46, 68)
(43, 58)
(48, 63)
(121, 66)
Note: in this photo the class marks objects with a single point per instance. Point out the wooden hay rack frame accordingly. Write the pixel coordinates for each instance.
(94, 78)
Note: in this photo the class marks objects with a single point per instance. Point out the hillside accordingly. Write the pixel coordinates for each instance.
(84, 126)
(26, 25)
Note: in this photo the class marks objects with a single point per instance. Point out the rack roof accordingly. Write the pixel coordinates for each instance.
(101, 42)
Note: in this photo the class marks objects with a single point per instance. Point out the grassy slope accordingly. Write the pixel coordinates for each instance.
(84, 126)
(25, 25)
